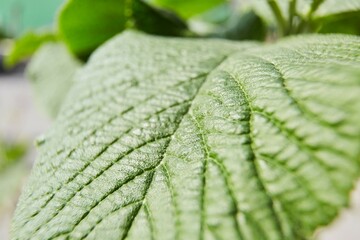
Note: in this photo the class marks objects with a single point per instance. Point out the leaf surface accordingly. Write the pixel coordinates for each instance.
(165, 138)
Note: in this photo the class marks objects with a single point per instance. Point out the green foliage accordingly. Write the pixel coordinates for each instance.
(170, 138)
(51, 72)
(12, 170)
(84, 28)
(298, 16)
(26, 46)
(165, 138)
(334, 7)
(348, 23)
(247, 26)
(10, 153)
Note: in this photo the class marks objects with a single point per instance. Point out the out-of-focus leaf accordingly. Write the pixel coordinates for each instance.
(226, 22)
(218, 15)
(86, 24)
(10, 182)
(51, 72)
(334, 7)
(10, 153)
(208, 23)
(348, 23)
(12, 170)
(248, 26)
(188, 8)
(26, 45)
(262, 8)
(327, 16)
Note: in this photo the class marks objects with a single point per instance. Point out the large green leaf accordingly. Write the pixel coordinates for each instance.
(86, 24)
(166, 138)
(51, 72)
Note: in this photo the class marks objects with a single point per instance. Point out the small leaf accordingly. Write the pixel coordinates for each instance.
(51, 72)
(12, 171)
(26, 46)
(348, 23)
(10, 153)
(86, 24)
(166, 138)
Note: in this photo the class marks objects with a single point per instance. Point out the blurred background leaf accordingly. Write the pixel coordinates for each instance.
(51, 72)
(84, 28)
(26, 45)
(12, 171)
(244, 26)
(334, 7)
(348, 23)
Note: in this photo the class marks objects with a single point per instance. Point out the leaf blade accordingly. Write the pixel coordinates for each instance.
(223, 144)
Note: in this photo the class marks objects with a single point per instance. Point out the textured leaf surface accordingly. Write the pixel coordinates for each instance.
(194, 139)
(51, 72)
(86, 24)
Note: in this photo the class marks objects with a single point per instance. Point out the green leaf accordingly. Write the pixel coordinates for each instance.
(262, 8)
(10, 153)
(332, 17)
(188, 8)
(342, 23)
(51, 72)
(247, 26)
(12, 171)
(334, 7)
(165, 138)
(86, 24)
(26, 46)
(11, 180)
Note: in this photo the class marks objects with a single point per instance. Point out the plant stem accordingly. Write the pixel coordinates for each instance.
(306, 23)
(279, 17)
(292, 13)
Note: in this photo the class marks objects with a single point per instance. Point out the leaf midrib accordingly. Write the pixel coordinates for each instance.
(191, 100)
